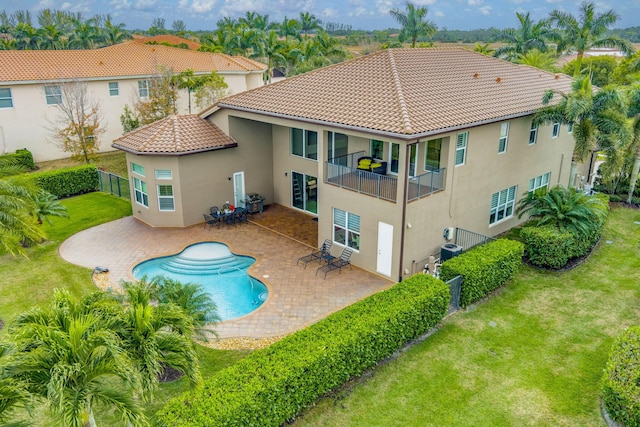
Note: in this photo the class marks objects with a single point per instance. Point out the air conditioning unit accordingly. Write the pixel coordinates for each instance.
(449, 250)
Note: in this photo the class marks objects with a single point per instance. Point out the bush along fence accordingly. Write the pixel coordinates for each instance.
(484, 268)
(114, 184)
(621, 383)
(67, 182)
(271, 386)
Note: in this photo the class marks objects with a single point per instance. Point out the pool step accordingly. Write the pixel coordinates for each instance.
(185, 265)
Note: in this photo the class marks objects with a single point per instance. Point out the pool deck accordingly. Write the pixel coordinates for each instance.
(297, 297)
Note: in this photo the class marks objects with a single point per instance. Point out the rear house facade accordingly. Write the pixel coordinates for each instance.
(387, 151)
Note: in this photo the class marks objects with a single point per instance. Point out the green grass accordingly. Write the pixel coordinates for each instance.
(112, 161)
(533, 355)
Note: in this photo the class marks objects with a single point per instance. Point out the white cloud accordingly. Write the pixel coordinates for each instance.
(329, 13)
(439, 14)
(485, 10)
(475, 2)
(145, 5)
(202, 6)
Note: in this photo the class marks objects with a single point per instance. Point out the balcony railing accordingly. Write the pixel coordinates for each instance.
(425, 184)
(342, 171)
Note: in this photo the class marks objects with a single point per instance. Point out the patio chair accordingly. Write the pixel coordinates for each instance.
(240, 215)
(337, 263)
(214, 210)
(211, 220)
(323, 254)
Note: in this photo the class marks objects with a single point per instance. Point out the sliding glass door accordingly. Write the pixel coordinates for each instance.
(304, 192)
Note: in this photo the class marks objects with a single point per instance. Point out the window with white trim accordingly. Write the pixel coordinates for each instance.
(502, 204)
(461, 148)
(165, 198)
(140, 192)
(53, 95)
(164, 174)
(533, 134)
(504, 136)
(114, 90)
(556, 130)
(137, 169)
(376, 149)
(5, 98)
(570, 128)
(538, 182)
(304, 143)
(346, 228)
(143, 88)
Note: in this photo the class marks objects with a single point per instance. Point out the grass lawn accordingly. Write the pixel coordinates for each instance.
(533, 355)
(29, 282)
(112, 161)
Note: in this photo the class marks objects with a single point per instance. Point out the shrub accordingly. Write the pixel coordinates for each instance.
(270, 386)
(21, 158)
(621, 382)
(547, 246)
(484, 268)
(68, 181)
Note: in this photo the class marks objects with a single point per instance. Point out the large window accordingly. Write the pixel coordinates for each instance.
(504, 136)
(5, 98)
(137, 169)
(143, 88)
(337, 148)
(461, 148)
(165, 198)
(140, 190)
(113, 89)
(346, 228)
(304, 143)
(538, 182)
(377, 149)
(53, 94)
(502, 204)
(533, 134)
(556, 130)
(432, 154)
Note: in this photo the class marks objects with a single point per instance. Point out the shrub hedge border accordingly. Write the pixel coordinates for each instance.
(272, 385)
(68, 181)
(484, 268)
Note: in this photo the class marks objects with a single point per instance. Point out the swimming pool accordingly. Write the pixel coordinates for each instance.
(220, 272)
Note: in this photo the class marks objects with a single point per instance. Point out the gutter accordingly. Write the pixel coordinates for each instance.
(173, 154)
(404, 209)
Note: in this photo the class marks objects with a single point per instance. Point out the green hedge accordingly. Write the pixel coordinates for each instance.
(69, 181)
(272, 385)
(21, 157)
(621, 383)
(484, 268)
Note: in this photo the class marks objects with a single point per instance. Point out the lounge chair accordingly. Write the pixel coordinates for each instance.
(323, 254)
(337, 263)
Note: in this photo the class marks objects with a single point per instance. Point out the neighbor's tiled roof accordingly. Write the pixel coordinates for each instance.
(406, 92)
(175, 135)
(167, 38)
(122, 60)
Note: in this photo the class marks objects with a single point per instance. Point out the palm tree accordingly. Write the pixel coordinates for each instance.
(530, 35)
(589, 32)
(70, 355)
(52, 38)
(26, 36)
(85, 34)
(536, 58)
(114, 34)
(46, 205)
(484, 49)
(634, 113)
(413, 24)
(288, 27)
(273, 49)
(13, 393)
(309, 23)
(18, 227)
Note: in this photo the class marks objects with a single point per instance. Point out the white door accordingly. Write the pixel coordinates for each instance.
(385, 248)
(238, 189)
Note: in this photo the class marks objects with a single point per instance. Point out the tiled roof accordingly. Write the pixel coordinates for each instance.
(175, 135)
(406, 92)
(121, 60)
(168, 38)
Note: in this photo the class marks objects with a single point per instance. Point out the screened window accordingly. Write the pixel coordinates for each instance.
(165, 198)
(432, 154)
(377, 149)
(137, 168)
(570, 128)
(461, 148)
(143, 88)
(163, 174)
(502, 204)
(533, 134)
(538, 182)
(140, 191)
(5, 98)
(53, 94)
(346, 228)
(304, 143)
(504, 136)
(556, 130)
(114, 90)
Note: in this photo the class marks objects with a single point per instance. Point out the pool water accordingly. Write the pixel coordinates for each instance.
(221, 273)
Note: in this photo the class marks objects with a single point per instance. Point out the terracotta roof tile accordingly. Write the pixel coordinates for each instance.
(406, 92)
(175, 135)
(121, 60)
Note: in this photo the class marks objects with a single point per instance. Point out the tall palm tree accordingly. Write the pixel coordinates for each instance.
(85, 34)
(536, 58)
(114, 33)
(26, 36)
(413, 23)
(52, 38)
(18, 227)
(530, 35)
(288, 27)
(70, 355)
(309, 23)
(588, 32)
(634, 113)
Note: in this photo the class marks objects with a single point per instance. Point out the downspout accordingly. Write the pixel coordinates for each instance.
(405, 194)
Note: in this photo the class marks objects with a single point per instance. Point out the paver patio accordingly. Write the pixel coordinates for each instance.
(297, 297)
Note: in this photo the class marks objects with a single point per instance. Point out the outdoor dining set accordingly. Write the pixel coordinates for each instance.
(327, 261)
(229, 215)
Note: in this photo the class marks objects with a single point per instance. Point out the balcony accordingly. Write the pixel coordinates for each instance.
(342, 172)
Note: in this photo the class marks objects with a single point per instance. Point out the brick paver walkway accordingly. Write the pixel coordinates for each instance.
(297, 297)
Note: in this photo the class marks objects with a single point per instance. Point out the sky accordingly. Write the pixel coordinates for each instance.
(360, 14)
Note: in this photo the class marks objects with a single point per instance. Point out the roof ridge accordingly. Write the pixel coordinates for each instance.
(401, 101)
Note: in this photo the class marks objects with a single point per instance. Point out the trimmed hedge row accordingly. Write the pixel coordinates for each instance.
(484, 268)
(21, 157)
(621, 383)
(69, 181)
(272, 385)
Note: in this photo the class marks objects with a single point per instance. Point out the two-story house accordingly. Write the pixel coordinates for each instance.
(386, 150)
(31, 86)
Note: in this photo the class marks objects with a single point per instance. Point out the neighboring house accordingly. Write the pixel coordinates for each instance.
(448, 135)
(30, 86)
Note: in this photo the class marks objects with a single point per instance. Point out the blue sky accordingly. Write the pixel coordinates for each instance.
(360, 14)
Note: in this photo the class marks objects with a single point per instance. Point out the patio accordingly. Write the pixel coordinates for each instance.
(276, 238)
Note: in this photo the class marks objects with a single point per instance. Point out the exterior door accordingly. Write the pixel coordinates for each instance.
(304, 192)
(385, 248)
(238, 189)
